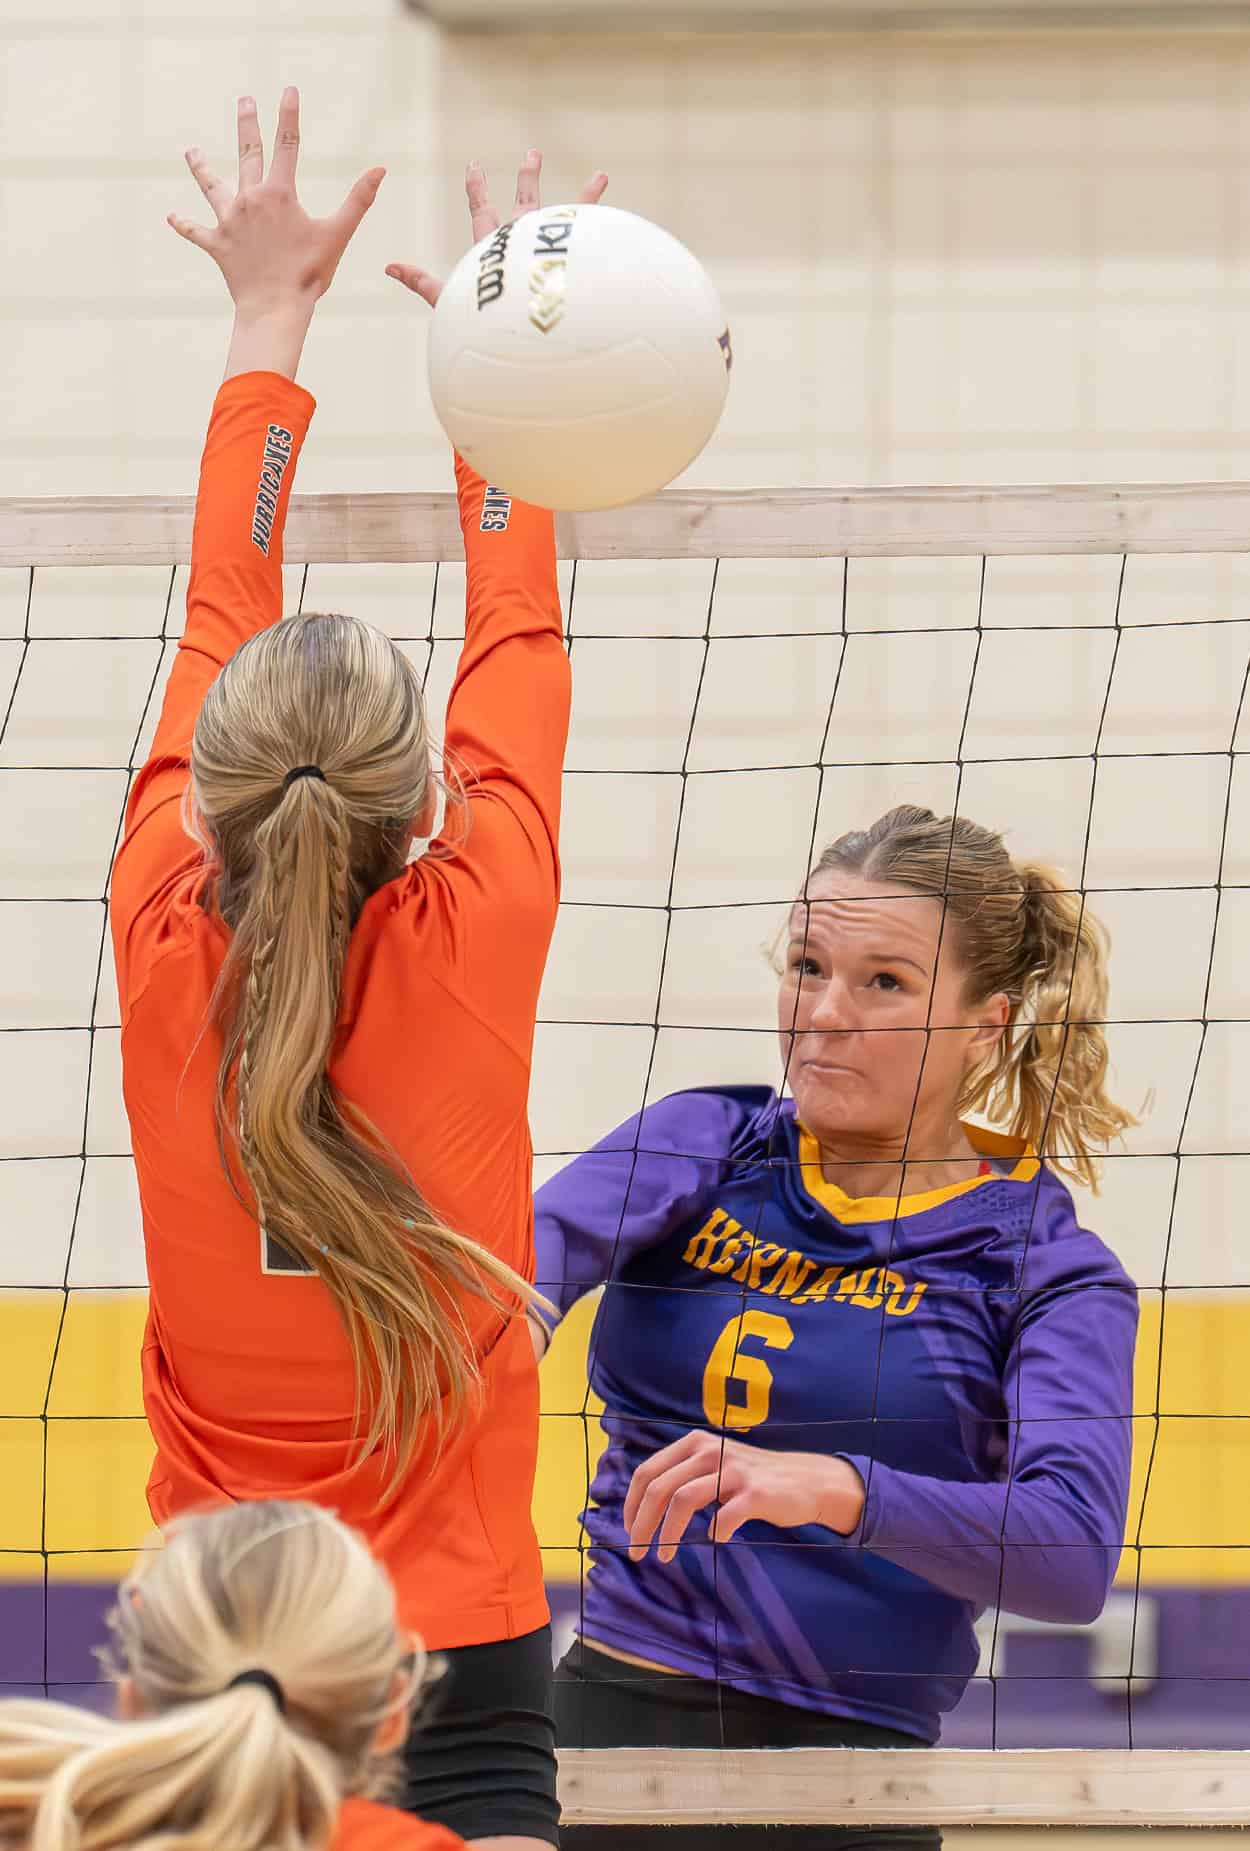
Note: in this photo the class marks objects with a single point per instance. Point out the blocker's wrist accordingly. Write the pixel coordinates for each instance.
(293, 309)
(269, 340)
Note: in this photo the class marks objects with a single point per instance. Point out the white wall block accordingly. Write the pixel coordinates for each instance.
(37, 1201)
(108, 1235)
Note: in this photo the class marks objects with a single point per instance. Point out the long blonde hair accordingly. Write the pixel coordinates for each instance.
(291, 864)
(1021, 929)
(284, 1589)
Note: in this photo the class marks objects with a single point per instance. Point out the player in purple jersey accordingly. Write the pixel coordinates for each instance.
(865, 1374)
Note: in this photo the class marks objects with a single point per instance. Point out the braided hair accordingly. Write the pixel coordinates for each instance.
(292, 860)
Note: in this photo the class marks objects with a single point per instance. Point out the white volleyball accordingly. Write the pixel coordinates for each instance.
(579, 357)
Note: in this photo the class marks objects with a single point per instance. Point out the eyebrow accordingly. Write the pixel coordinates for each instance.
(896, 957)
(803, 937)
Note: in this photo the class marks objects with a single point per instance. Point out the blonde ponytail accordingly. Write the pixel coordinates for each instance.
(293, 862)
(207, 1763)
(1022, 930)
(223, 1772)
(1047, 1076)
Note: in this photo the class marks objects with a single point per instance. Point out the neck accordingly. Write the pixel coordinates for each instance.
(867, 1166)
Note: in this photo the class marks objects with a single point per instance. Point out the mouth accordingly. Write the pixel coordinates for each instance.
(829, 1066)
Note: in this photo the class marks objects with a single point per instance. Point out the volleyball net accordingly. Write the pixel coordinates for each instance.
(755, 673)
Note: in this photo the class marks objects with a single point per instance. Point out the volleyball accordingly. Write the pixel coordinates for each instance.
(579, 357)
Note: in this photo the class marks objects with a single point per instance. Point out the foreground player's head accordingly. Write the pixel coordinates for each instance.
(311, 776)
(335, 698)
(926, 975)
(282, 1592)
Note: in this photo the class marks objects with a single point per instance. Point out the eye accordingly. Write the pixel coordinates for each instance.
(885, 981)
(804, 965)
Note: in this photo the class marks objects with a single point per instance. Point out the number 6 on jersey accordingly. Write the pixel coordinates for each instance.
(730, 1363)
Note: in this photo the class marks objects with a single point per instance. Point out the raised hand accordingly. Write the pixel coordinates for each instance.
(276, 259)
(484, 217)
(746, 1483)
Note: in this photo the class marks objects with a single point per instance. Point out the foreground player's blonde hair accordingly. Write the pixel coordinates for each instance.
(282, 1588)
(290, 867)
(1022, 929)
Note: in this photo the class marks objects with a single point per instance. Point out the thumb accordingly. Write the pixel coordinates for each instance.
(360, 197)
(194, 234)
(420, 282)
(731, 1516)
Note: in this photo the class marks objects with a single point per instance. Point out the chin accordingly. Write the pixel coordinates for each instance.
(826, 1103)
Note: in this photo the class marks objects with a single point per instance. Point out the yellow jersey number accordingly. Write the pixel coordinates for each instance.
(729, 1362)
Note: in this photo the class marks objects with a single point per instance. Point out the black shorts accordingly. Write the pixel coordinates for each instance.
(481, 1758)
(602, 1702)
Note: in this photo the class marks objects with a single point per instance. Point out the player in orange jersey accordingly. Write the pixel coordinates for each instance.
(262, 1679)
(326, 1048)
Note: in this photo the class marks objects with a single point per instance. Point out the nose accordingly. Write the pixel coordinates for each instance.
(831, 1011)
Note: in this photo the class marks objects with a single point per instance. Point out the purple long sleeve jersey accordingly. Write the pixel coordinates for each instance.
(969, 1350)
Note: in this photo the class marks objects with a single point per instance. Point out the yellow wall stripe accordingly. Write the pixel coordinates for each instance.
(87, 1505)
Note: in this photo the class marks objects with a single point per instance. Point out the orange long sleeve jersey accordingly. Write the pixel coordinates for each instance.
(365, 1826)
(247, 1375)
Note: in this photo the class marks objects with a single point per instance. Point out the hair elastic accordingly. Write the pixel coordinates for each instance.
(303, 771)
(266, 1681)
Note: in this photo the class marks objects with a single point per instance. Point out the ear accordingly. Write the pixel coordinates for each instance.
(423, 823)
(393, 1730)
(989, 1021)
(423, 826)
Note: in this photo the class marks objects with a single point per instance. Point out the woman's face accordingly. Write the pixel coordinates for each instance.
(876, 1032)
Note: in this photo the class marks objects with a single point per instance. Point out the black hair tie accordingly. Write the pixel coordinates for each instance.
(266, 1681)
(303, 771)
